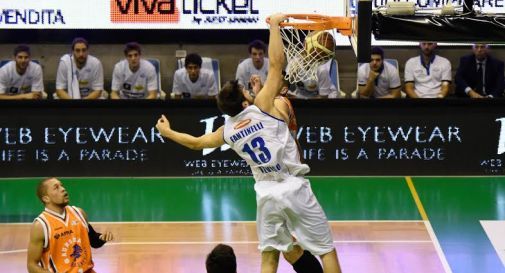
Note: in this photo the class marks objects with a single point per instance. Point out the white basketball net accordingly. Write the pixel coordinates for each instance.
(301, 65)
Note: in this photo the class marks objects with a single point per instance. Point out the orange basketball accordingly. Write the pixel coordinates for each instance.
(320, 44)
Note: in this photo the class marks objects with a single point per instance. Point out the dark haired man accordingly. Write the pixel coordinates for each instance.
(80, 75)
(21, 78)
(192, 81)
(260, 135)
(378, 79)
(134, 77)
(256, 64)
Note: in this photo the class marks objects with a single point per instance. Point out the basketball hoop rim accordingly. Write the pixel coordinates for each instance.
(315, 22)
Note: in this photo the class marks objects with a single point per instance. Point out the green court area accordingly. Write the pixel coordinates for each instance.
(454, 206)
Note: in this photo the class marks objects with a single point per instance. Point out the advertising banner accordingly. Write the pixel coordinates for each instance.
(336, 137)
(153, 14)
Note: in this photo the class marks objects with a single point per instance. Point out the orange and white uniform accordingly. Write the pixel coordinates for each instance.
(66, 242)
(292, 125)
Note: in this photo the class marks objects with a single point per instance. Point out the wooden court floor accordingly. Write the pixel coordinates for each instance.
(382, 247)
(379, 224)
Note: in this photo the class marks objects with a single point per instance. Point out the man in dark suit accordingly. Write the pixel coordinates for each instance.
(479, 75)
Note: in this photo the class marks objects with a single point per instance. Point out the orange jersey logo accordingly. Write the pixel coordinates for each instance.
(242, 124)
(144, 11)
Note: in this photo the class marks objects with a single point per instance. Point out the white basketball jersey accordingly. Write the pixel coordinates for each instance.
(90, 76)
(265, 143)
(205, 85)
(134, 85)
(12, 83)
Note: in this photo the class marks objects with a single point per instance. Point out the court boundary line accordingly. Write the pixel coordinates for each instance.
(427, 224)
(417, 200)
(438, 247)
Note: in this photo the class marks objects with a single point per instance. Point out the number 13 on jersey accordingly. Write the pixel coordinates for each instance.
(257, 150)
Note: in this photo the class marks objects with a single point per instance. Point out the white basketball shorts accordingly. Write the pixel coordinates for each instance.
(290, 207)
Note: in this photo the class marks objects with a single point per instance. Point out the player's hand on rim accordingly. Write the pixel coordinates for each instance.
(276, 18)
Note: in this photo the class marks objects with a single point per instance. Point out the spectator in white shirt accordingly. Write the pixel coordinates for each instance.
(80, 75)
(427, 75)
(134, 77)
(256, 64)
(21, 78)
(378, 79)
(193, 81)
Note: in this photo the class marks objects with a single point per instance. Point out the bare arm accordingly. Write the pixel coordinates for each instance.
(114, 94)
(273, 83)
(212, 140)
(394, 94)
(367, 90)
(62, 94)
(283, 108)
(93, 95)
(153, 94)
(444, 89)
(26, 96)
(35, 248)
(409, 89)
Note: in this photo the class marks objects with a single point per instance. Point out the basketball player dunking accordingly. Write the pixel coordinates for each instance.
(260, 135)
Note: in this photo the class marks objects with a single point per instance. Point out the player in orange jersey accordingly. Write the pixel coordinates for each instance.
(61, 237)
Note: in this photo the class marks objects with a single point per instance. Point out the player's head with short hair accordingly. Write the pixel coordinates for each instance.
(22, 56)
(132, 46)
(376, 58)
(51, 191)
(79, 40)
(22, 48)
(230, 99)
(428, 48)
(257, 50)
(193, 58)
(377, 51)
(257, 44)
(221, 260)
(132, 53)
(193, 63)
(80, 50)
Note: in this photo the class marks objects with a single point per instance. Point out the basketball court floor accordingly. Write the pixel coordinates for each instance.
(380, 224)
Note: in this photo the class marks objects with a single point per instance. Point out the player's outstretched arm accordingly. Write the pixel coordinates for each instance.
(212, 140)
(273, 83)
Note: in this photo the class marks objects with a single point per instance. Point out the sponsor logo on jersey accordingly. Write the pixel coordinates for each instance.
(241, 124)
(62, 234)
